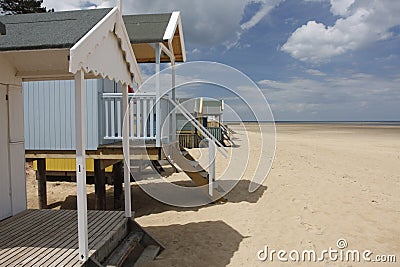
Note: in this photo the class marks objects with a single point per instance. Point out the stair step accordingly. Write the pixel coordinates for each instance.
(120, 253)
(219, 189)
(204, 174)
(163, 162)
(195, 164)
(149, 254)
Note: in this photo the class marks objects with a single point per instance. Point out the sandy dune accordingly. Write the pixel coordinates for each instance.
(327, 182)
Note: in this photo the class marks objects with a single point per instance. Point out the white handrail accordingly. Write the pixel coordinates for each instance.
(199, 127)
(119, 95)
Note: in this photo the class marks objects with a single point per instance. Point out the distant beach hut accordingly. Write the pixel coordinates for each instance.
(209, 113)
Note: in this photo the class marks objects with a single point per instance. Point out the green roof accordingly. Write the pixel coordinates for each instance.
(147, 28)
(48, 30)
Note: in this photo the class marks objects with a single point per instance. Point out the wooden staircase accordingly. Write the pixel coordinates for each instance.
(182, 160)
(135, 248)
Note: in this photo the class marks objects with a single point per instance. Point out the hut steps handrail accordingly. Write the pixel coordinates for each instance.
(199, 127)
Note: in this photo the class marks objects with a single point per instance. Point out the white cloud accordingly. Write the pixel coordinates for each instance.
(361, 23)
(195, 51)
(265, 9)
(62, 5)
(341, 7)
(315, 72)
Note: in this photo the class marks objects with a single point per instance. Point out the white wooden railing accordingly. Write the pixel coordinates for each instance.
(143, 122)
(142, 113)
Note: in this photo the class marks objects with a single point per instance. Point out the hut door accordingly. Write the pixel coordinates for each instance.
(5, 188)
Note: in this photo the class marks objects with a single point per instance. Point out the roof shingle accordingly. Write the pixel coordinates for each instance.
(48, 30)
(147, 28)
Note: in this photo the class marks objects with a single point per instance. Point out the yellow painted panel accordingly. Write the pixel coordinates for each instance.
(67, 165)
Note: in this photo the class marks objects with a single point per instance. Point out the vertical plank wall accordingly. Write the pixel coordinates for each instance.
(49, 115)
(5, 188)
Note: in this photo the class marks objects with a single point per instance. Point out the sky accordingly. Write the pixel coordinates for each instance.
(322, 60)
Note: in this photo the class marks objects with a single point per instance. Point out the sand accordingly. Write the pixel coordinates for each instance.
(327, 182)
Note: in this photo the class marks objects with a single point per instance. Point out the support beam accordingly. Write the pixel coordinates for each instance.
(99, 185)
(158, 95)
(41, 178)
(173, 93)
(81, 165)
(119, 4)
(211, 169)
(167, 51)
(125, 141)
(117, 177)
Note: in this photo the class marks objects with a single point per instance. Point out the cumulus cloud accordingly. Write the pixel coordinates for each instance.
(360, 23)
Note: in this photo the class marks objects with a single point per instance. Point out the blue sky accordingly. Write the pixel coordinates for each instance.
(313, 59)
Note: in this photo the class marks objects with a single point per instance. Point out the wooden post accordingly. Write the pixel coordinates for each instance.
(125, 141)
(211, 168)
(81, 166)
(42, 189)
(117, 177)
(158, 95)
(99, 185)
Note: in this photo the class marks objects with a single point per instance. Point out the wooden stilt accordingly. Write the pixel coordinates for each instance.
(117, 176)
(99, 185)
(42, 188)
(80, 131)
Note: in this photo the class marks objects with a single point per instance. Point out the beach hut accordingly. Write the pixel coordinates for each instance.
(155, 39)
(209, 113)
(49, 138)
(54, 46)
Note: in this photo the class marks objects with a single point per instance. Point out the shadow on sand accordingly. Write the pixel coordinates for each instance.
(143, 204)
(213, 242)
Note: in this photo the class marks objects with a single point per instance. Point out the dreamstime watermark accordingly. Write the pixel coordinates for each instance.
(340, 253)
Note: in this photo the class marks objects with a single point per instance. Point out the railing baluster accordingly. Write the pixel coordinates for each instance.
(151, 117)
(106, 118)
(112, 102)
(145, 117)
(132, 120)
(138, 117)
(119, 119)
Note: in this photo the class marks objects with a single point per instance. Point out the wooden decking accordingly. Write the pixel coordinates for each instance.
(50, 237)
(139, 150)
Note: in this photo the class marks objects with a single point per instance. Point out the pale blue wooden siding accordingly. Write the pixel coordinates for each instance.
(50, 115)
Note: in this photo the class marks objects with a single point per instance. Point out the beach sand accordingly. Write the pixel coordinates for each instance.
(327, 182)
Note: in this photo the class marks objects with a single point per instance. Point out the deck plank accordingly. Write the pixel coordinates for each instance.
(96, 233)
(24, 235)
(71, 245)
(50, 237)
(47, 247)
(56, 230)
(8, 221)
(29, 216)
